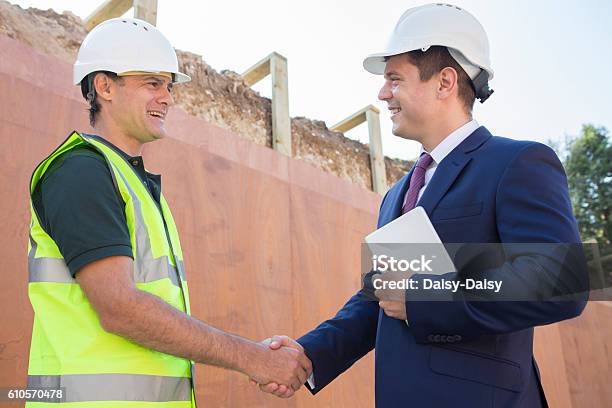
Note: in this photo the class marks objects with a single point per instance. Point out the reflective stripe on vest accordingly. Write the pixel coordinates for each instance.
(114, 387)
(69, 347)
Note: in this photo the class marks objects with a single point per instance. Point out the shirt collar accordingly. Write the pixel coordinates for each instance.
(135, 161)
(115, 148)
(451, 141)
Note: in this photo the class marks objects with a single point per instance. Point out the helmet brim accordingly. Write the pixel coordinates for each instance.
(180, 78)
(81, 71)
(375, 63)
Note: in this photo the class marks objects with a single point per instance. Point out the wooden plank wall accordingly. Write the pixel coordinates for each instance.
(271, 244)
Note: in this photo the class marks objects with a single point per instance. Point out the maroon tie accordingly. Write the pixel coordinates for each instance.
(417, 181)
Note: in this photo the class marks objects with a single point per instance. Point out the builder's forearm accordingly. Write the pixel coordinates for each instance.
(149, 321)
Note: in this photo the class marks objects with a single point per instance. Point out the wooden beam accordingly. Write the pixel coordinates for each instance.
(258, 71)
(146, 10)
(107, 10)
(354, 120)
(369, 114)
(276, 66)
(377, 159)
(281, 122)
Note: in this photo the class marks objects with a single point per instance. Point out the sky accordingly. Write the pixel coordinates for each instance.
(551, 58)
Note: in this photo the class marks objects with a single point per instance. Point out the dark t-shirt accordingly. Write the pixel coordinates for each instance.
(79, 206)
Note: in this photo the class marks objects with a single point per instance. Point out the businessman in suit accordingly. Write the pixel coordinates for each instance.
(476, 188)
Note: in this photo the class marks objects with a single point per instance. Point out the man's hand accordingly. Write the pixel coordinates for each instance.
(394, 309)
(392, 301)
(286, 366)
(276, 388)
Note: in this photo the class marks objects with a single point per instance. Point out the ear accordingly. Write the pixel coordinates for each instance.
(103, 86)
(447, 82)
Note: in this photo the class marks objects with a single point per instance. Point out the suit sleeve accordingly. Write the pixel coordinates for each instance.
(338, 343)
(543, 259)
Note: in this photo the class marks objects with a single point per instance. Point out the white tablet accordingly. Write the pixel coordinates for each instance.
(415, 229)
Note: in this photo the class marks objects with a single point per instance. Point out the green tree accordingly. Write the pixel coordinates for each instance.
(588, 163)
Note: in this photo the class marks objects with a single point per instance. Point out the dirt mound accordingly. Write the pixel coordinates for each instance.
(220, 98)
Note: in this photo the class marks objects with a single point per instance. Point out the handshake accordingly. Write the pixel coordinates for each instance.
(285, 367)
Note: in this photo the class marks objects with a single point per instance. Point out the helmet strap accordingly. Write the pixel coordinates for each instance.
(91, 90)
(91, 98)
(481, 86)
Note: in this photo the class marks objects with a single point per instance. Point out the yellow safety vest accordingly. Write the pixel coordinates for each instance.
(70, 349)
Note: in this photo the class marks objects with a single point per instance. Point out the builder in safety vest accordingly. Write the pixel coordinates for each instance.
(112, 325)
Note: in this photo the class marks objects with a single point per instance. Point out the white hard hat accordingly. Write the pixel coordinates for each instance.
(124, 45)
(444, 25)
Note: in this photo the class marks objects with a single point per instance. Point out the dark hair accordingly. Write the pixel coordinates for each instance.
(434, 60)
(89, 93)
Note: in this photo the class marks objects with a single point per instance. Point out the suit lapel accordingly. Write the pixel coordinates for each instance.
(450, 168)
(395, 200)
(446, 173)
(443, 178)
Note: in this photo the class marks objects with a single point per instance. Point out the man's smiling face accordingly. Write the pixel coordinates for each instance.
(411, 101)
(140, 105)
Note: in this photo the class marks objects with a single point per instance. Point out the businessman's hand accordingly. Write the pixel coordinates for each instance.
(275, 388)
(391, 299)
(286, 366)
(394, 309)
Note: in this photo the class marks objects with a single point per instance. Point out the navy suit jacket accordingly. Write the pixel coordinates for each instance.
(461, 353)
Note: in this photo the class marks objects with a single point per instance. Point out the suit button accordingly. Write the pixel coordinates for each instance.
(430, 337)
(437, 338)
(443, 338)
